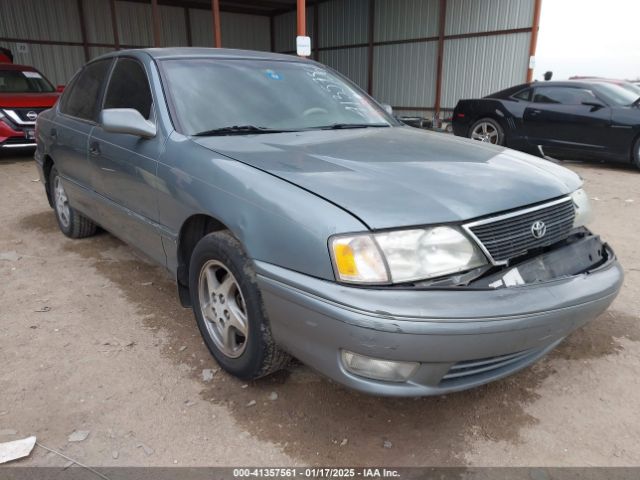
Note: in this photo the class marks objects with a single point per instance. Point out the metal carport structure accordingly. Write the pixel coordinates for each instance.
(417, 55)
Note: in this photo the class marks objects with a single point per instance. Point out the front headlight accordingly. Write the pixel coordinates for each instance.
(584, 215)
(403, 255)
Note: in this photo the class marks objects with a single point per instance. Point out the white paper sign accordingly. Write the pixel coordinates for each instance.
(303, 46)
(22, 48)
(532, 62)
(30, 74)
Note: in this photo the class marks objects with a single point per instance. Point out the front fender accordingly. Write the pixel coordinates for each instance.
(276, 222)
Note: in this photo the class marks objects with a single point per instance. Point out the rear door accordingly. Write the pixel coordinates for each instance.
(125, 166)
(565, 120)
(69, 132)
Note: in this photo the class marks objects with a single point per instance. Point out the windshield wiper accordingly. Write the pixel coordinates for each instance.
(238, 130)
(341, 126)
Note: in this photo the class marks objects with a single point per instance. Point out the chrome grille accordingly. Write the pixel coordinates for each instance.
(486, 365)
(510, 235)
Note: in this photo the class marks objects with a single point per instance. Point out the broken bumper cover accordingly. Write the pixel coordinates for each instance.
(461, 337)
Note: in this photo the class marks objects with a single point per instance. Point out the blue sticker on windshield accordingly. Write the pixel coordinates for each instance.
(273, 75)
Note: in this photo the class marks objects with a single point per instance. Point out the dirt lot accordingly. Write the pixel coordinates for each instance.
(93, 338)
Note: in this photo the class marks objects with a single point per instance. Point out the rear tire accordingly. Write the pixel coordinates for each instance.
(71, 222)
(635, 154)
(229, 310)
(487, 130)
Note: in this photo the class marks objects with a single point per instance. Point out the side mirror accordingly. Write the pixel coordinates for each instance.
(126, 120)
(60, 88)
(594, 105)
(387, 108)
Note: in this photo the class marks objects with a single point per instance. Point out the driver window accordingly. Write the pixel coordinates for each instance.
(129, 88)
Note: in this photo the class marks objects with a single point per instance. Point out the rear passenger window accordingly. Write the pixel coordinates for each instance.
(129, 87)
(523, 95)
(563, 95)
(82, 98)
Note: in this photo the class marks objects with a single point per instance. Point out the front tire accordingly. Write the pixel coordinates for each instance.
(487, 130)
(229, 310)
(71, 222)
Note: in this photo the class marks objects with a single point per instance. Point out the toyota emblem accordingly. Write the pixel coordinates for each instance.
(538, 229)
(32, 116)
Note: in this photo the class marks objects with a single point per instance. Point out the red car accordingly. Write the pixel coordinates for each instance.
(24, 93)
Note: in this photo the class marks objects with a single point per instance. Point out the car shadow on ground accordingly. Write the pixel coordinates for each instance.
(314, 419)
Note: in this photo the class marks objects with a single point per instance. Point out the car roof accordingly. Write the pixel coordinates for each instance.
(508, 92)
(219, 53)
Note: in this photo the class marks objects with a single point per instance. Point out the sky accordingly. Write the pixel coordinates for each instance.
(589, 37)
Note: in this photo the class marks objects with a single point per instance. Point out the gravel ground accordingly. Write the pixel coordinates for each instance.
(92, 338)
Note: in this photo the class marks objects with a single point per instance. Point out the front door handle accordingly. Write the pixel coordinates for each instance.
(53, 133)
(94, 148)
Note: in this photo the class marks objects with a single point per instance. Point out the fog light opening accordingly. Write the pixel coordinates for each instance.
(377, 369)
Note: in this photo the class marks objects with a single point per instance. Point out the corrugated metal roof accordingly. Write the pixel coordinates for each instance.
(36, 20)
(470, 16)
(475, 67)
(405, 74)
(286, 30)
(351, 62)
(57, 62)
(405, 19)
(173, 26)
(343, 22)
(134, 23)
(249, 32)
(97, 18)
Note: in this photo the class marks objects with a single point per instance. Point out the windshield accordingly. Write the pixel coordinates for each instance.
(209, 94)
(23, 81)
(616, 94)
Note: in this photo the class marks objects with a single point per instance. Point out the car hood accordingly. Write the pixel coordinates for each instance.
(28, 100)
(401, 176)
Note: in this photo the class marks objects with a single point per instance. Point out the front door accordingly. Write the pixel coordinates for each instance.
(125, 166)
(567, 121)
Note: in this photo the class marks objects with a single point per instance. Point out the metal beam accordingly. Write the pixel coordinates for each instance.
(301, 8)
(83, 31)
(372, 21)
(272, 33)
(155, 15)
(316, 28)
(187, 26)
(114, 24)
(537, 8)
(215, 13)
(441, 38)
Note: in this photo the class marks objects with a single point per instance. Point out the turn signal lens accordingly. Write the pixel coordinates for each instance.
(357, 259)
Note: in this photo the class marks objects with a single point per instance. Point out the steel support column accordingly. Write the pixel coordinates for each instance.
(537, 7)
(217, 34)
(439, 68)
(187, 26)
(83, 31)
(302, 18)
(316, 28)
(372, 21)
(155, 14)
(114, 24)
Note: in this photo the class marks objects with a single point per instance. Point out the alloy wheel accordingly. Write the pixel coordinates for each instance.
(61, 202)
(485, 132)
(223, 308)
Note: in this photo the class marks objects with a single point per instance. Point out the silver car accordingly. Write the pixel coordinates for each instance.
(299, 218)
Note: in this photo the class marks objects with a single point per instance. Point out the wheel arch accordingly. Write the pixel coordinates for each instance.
(193, 229)
(47, 165)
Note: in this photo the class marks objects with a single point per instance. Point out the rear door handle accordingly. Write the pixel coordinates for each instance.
(94, 148)
(53, 133)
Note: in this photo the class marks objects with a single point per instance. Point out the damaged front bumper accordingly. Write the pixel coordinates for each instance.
(460, 337)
